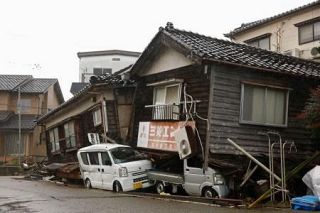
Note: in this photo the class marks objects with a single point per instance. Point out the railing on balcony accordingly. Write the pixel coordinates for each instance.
(164, 112)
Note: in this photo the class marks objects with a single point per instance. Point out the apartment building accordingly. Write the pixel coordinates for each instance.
(295, 32)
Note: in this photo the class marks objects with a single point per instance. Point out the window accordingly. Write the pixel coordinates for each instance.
(102, 71)
(69, 134)
(84, 158)
(97, 117)
(264, 105)
(54, 139)
(309, 32)
(168, 100)
(93, 156)
(125, 154)
(167, 95)
(262, 42)
(25, 105)
(11, 142)
(105, 159)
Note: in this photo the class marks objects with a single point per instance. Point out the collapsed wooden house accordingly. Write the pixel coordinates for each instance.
(102, 108)
(243, 92)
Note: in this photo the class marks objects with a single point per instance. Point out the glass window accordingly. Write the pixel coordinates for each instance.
(125, 154)
(54, 139)
(160, 94)
(97, 71)
(264, 105)
(101, 71)
(84, 158)
(306, 34)
(309, 32)
(105, 159)
(263, 43)
(69, 134)
(93, 156)
(317, 31)
(167, 95)
(97, 117)
(25, 105)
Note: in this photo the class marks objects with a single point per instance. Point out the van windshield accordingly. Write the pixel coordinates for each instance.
(125, 154)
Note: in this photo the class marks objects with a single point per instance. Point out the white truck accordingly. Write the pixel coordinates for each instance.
(194, 180)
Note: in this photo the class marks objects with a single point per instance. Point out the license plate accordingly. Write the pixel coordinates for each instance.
(137, 185)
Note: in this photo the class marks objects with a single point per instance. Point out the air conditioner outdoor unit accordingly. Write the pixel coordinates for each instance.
(315, 52)
(186, 142)
(294, 52)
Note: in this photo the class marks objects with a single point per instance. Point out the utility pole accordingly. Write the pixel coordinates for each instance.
(19, 123)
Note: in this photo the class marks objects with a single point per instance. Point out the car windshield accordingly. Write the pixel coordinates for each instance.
(125, 154)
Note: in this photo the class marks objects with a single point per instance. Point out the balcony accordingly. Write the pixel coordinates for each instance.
(164, 112)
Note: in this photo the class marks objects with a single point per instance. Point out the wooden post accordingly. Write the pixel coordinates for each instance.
(290, 175)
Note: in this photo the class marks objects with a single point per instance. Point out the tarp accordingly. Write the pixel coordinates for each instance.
(312, 180)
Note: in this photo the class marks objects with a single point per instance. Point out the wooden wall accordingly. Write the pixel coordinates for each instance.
(84, 125)
(225, 111)
(197, 86)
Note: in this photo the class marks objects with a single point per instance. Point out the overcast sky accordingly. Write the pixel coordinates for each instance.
(42, 37)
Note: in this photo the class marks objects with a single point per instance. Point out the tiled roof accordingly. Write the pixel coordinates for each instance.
(9, 82)
(113, 80)
(37, 85)
(76, 96)
(77, 86)
(4, 115)
(253, 24)
(27, 122)
(222, 51)
(106, 80)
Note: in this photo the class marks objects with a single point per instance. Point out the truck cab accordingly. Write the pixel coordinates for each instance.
(199, 182)
(193, 179)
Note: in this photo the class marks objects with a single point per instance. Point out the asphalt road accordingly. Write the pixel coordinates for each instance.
(19, 195)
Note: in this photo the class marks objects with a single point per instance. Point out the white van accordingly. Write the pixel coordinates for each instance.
(113, 167)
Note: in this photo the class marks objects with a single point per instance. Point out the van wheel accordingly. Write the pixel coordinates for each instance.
(160, 187)
(87, 184)
(117, 187)
(209, 192)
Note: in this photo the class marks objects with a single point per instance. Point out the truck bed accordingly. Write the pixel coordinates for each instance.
(166, 177)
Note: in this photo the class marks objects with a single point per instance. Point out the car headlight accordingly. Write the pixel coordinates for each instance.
(218, 179)
(123, 172)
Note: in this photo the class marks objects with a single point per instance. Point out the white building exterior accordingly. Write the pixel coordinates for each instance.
(101, 62)
(295, 32)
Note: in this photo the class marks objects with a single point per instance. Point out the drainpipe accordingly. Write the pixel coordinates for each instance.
(19, 123)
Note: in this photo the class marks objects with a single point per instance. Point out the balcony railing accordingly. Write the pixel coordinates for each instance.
(164, 112)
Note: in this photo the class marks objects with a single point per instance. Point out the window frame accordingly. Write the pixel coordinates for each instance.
(94, 113)
(25, 105)
(68, 136)
(265, 87)
(89, 158)
(165, 96)
(305, 24)
(101, 70)
(55, 140)
(257, 39)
